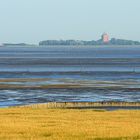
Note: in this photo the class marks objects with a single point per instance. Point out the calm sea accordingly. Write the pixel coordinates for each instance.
(106, 73)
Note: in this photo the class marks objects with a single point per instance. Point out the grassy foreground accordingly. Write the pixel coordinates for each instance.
(31, 123)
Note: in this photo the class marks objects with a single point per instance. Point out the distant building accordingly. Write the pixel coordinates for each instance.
(105, 38)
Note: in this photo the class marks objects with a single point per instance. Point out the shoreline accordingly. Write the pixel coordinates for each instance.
(109, 106)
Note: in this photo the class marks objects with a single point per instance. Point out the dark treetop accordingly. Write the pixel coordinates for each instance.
(113, 41)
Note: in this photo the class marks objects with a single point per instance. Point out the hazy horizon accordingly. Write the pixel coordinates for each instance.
(31, 21)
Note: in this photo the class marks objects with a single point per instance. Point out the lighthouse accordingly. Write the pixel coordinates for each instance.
(105, 38)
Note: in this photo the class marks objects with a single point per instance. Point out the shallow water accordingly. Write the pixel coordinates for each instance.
(106, 73)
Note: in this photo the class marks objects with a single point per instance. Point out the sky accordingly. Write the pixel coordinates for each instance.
(31, 21)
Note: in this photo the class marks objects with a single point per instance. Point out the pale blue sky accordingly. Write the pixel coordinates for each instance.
(34, 20)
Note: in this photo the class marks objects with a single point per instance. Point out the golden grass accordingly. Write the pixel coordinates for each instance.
(40, 123)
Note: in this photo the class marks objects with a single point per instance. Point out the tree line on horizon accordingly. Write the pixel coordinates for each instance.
(113, 41)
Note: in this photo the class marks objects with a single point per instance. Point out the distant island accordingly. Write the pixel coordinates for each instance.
(16, 44)
(103, 41)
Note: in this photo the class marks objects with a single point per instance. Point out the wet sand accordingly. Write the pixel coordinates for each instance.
(69, 74)
(24, 91)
